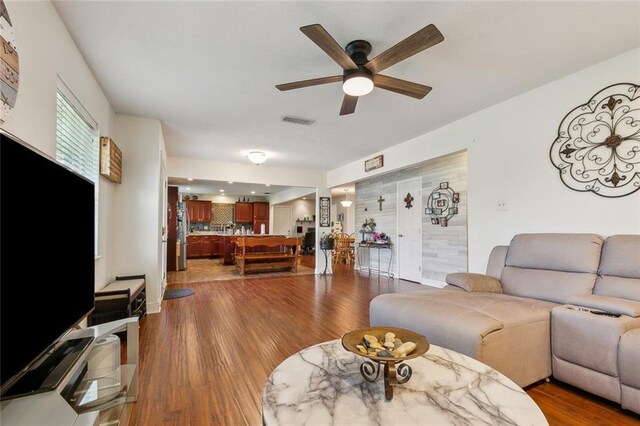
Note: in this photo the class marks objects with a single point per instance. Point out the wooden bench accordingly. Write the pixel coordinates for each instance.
(265, 254)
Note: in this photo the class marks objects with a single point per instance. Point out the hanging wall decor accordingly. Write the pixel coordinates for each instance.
(9, 64)
(598, 144)
(325, 211)
(443, 204)
(408, 200)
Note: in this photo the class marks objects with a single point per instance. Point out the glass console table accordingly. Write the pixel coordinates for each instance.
(363, 257)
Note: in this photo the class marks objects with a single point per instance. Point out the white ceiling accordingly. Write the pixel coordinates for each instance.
(207, 70)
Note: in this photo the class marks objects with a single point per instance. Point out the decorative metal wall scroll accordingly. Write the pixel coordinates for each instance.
(9, 64)
(443, 204)
(598, 143)
(325, 211)
(408, 200)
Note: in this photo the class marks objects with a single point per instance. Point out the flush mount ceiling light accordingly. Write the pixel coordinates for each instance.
(357, 83)
(257, 157)
(346, 202)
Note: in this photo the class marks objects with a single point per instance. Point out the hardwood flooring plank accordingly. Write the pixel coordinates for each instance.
(204, 359)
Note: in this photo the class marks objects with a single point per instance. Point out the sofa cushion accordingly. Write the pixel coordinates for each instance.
(556, 252)
(551, 266)
(456, 320)
(553, 286)
(474, 282)
(619, 271)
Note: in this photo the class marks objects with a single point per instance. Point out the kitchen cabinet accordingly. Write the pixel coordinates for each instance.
(205, 246)
(260, 216)
(244, 212)
(228, 247)
(199, 211)
(257, 225)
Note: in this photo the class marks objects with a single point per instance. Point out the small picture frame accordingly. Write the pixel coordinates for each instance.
(428, 210)
(444, 222)
(444, 185)
(340, 217)
(435, 195)
(453, 210)
(441, 202)
(456, 197)
(435, 221)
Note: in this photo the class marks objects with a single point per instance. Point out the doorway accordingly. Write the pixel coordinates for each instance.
(409, 247)
(282, 221)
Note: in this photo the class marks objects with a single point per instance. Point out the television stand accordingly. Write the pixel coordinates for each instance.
(100, 396)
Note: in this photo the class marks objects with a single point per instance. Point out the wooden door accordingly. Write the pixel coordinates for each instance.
(206, 247)
(216, 246)
(261, 211)
(244, 213)
(193, 247)
(205, 208)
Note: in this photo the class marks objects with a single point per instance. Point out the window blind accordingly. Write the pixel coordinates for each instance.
(77, 144)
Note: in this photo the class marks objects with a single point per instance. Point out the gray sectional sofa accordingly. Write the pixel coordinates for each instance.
(561, 304)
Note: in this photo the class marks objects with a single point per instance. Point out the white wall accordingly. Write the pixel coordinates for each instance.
(300, 209)
(508, 146)
(47, 51)
(138, 219)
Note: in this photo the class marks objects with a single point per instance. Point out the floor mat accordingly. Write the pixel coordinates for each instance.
(177, 293)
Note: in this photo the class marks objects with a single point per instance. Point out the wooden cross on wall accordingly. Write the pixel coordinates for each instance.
(380, 201)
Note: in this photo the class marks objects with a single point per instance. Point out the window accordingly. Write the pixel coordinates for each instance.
(77, 142)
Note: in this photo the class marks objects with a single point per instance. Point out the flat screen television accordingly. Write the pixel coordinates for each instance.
(46, 257)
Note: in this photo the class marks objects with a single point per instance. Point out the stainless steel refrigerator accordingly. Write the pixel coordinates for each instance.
(183, 232)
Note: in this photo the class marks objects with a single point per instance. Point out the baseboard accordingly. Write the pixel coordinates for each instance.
(433, 283)
(153, 307)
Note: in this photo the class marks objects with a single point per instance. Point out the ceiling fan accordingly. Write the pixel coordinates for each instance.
(360, 75)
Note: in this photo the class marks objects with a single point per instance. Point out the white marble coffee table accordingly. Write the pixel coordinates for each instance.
(322, 385)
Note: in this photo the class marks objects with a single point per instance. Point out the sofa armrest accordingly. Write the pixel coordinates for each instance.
(614, 305)
(474, 282)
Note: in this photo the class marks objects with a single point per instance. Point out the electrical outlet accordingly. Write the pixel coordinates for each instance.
(502, 206)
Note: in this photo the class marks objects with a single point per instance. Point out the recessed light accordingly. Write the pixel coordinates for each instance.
(253, 192)
(304, 198)
(190, 179)
(222, 190)
(230, 183)
(267, 184)
(188, 189)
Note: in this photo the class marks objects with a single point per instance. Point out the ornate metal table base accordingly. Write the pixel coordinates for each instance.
(394, 374)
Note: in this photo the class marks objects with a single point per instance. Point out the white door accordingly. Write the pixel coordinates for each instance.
(282, 221)
(409, 241)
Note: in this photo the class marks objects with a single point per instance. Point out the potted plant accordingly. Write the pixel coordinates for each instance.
(327, 241)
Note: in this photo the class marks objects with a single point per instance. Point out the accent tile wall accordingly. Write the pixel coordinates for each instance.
(444, 249)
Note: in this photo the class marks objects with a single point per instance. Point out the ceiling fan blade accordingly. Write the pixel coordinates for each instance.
(323, 39)
(403, 87)
(348, 105)
(415, 43)
(307, 83)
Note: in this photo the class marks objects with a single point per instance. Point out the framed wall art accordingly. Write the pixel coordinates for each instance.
(374, 163)
(325, 211)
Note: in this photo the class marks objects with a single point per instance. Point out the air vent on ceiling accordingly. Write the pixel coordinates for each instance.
(297, 120)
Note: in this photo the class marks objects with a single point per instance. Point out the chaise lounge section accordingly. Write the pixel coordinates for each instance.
(504, 318)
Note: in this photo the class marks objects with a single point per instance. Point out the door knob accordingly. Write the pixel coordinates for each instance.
(400, 235)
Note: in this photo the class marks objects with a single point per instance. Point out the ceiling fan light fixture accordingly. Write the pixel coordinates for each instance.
(257, 157)
(357, 84)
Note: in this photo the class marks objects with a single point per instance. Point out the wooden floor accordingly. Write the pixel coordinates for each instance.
(205, 358)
